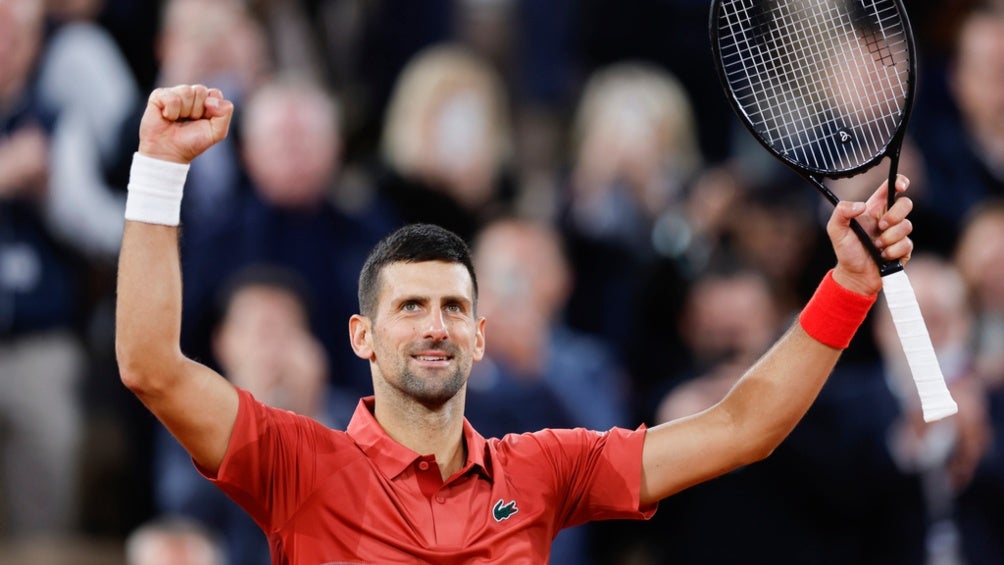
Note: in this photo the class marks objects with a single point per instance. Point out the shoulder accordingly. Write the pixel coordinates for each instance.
(261, 420)
(563, 442)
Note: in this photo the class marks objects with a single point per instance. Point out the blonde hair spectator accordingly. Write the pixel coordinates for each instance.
(636, 124)
(448, 124)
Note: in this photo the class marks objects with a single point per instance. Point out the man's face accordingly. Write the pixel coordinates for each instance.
(425, 335)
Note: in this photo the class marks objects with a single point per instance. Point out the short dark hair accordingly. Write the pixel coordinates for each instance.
(414, 243)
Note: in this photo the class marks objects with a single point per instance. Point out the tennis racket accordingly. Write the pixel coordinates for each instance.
(827, 87)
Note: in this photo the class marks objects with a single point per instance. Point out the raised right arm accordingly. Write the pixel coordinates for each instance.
(197, 405)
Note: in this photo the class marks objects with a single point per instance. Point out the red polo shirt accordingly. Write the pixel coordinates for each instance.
(327, 496)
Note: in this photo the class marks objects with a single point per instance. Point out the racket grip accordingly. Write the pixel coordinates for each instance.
(935, 400)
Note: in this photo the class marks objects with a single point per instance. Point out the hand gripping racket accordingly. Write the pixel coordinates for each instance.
(827, 87)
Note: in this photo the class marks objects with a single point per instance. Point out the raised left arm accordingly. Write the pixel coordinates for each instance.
(769, 400)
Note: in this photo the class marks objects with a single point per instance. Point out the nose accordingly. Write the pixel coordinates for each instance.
(436, 327)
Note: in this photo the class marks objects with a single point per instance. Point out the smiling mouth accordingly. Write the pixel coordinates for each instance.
(432, 358)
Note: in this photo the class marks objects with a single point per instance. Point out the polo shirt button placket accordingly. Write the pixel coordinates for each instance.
(440, 499)
(423, 465)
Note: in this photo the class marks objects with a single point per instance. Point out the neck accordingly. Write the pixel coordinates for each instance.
(438, 431)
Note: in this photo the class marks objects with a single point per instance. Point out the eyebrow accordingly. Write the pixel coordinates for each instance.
(447, 299)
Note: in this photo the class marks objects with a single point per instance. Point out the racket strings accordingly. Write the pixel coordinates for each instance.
(825, 83)
(804, 49)
(816, 51)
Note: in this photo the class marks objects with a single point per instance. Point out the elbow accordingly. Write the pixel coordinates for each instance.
(761, 450)
(133, 377)
(759, 437)
(755, 449)
(143, 370)
(133, 370)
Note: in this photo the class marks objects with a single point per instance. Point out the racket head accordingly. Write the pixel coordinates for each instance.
(826, 86)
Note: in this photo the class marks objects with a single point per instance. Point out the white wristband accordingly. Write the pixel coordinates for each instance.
(155, 191)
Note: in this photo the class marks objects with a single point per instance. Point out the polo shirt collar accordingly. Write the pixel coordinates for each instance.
(392, 458)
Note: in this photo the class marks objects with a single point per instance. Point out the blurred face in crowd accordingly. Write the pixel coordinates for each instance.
(524, 282)
(291, 144)
(459, 152)
(172, 544)
(978, 82)
(214, 43)
(775, 239)
(634, 128)
(978, 257)
(20, 40)
(448, 126)
(730, 319)
(265, 346)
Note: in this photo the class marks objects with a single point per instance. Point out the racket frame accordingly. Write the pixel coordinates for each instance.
(815, 175)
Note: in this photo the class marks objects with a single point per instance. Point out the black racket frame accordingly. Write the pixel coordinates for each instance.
(813, 175)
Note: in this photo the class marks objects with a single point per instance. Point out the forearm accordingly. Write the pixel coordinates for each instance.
(770, 399)
(745, 426)
(763, 406)
(148, 315)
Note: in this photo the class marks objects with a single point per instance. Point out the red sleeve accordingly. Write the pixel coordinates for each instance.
(597, 474)
(269, 468)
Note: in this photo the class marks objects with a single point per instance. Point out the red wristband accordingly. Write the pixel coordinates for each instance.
(833, 315)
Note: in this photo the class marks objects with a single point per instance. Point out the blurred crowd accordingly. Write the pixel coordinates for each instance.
(636, 250)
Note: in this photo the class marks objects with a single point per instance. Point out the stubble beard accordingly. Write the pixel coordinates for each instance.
(432, 392)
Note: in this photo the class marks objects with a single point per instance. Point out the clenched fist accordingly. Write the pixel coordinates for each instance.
(181, 122)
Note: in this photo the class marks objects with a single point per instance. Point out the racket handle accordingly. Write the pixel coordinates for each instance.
(935, 400)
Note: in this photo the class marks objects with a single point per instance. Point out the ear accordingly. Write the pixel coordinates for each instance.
(479, 338)
(361, 336)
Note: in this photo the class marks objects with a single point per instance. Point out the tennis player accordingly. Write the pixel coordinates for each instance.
(410, 480)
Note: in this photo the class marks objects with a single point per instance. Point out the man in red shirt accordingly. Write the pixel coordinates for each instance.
(410, 480)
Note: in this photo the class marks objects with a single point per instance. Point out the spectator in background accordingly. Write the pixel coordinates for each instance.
(291, 29)
(87, 80)
(535, 359)
(41, 357)
(729, 319)
(556, 376)
(634, 151)
(210, 42)
(965, 153)
(264, 340)
(262, 343)
(286, 214)
(943, 454)
(172, 541)
(979, 258)
(773, 228)
(85, 84)
(446, 143)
